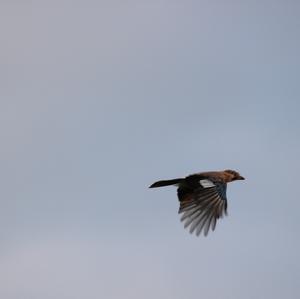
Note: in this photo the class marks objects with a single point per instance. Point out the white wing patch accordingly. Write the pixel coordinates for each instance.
(206, 183)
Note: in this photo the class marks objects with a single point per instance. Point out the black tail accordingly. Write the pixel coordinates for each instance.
(166, 183)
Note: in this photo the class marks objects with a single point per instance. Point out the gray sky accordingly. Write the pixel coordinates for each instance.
(101, 98)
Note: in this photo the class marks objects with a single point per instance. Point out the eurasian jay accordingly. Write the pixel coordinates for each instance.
(202, 198)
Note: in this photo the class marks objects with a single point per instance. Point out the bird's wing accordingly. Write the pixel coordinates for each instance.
(203, 205)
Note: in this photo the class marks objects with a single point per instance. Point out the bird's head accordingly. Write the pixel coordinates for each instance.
(233, 175)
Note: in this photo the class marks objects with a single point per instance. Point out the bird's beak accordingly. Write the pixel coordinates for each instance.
(241, 178)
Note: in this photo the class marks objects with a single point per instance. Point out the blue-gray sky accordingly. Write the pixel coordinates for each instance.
(101, 98)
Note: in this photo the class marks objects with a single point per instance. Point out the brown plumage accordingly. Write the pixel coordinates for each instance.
(202, 198)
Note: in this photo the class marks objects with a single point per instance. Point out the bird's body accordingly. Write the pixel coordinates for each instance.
(202, 197)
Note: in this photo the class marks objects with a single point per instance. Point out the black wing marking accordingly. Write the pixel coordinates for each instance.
(201, 211)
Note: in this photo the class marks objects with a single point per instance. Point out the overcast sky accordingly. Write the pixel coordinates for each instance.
(99, 99)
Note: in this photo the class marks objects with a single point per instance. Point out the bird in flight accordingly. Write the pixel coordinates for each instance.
(202, 198)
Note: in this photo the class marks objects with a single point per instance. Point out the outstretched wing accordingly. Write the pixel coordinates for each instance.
(202, 205)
